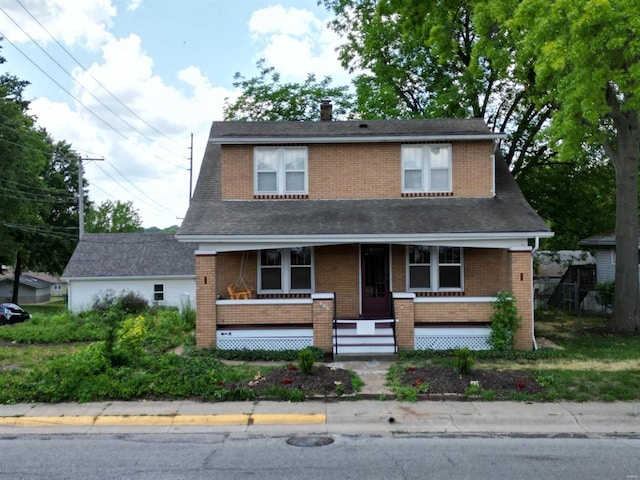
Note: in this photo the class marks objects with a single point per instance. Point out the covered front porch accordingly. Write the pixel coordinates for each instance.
(364, 297)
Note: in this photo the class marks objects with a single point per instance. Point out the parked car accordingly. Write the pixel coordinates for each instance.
(12, 313)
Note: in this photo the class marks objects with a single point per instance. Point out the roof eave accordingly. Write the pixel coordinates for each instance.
(220, 243)
(260, 140)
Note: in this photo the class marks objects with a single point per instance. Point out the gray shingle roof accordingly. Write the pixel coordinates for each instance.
(130, 255)
(362, 129)
(603, 239)
(26, 279)
(508, 211)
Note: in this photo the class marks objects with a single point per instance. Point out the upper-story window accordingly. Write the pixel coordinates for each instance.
(280, 170)
(434, 269)
(426, 168)
(286, 270)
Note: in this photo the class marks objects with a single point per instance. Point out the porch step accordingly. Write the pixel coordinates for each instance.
(365, 349)
(354, 357)
(372, 341)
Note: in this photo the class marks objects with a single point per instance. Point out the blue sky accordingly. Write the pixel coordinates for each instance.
(148, 74)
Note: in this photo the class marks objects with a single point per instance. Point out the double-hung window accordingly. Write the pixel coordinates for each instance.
(286, 270)
(426, 168)
(280, 170)
(434, 269)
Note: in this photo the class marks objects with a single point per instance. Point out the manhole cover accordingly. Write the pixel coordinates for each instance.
(309, 441)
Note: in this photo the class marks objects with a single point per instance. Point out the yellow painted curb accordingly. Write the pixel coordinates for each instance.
(288, 418)
(133, 420)
(167, 420)
(47, 421)
(228, 419)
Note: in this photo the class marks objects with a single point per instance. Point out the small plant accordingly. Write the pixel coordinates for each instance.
(473, 390)
(464, 361)
(504, 322)
(605, 293)
(305, 361)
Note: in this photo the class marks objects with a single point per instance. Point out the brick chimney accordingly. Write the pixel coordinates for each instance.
(326, 110)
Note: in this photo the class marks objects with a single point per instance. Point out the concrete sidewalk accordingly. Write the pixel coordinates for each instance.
(334, 418)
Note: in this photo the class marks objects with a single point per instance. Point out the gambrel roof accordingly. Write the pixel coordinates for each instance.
(130, 255)
(507, 212)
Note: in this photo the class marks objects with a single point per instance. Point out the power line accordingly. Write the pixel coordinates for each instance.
(89, 73)
(129, 191)
(86, 89)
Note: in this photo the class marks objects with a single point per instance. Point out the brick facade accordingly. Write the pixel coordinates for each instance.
(206, 294)
(364, 171)
(521, 281)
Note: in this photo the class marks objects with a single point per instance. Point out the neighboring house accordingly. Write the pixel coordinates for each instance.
(31, 289)
(562, 278)
(58, 287)
(357, 236)
(154, 266)
(605, 253)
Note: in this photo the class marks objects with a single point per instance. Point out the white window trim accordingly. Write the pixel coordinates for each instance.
(285, 273)
(426, 168)
(280, 171)
(435, 272)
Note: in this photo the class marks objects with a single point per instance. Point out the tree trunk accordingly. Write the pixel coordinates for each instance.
(17, 273)
(625, 159)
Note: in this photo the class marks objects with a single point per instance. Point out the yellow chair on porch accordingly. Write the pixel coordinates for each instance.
(235, 294)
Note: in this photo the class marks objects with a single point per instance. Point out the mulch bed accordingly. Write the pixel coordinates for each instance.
(335, 382)
(444, 380)
(323, 381)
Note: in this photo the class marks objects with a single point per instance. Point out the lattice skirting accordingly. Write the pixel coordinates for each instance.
(267, 339)
(474, 338)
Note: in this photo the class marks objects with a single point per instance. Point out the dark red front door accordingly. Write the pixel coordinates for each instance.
(375, 281)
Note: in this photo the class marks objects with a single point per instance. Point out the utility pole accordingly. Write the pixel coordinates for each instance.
(191, 168)
(81, 193)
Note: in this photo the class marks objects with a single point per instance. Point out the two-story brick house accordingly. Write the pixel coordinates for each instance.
(357, 236)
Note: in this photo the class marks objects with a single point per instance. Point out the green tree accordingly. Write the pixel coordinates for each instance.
(113, 217)
(266, 97)
(418, 59)
(584, 56)
(576, 197)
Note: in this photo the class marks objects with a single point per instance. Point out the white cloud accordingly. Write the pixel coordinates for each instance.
(77, 22)
(144, 134)
(134, 5)
(279, 20)
(296, 42)
(151, 146)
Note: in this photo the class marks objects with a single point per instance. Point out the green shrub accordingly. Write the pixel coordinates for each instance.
(464, 361)
(125, 303)
(60, 327)
(305, 361)
(504, 322)
(605, 293)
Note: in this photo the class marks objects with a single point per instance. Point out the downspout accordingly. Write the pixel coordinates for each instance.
(536, 245)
